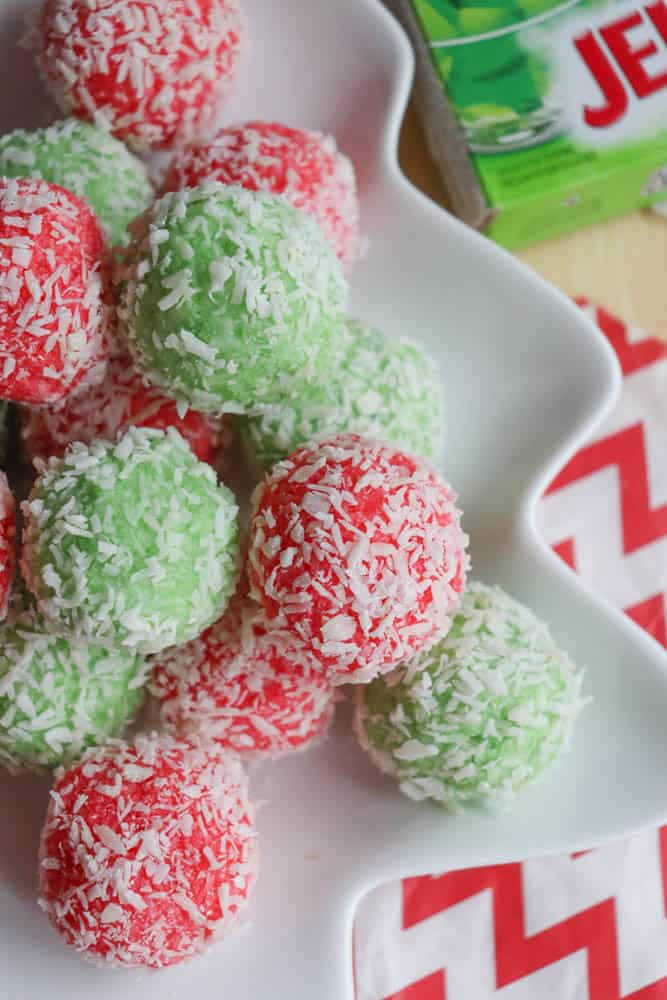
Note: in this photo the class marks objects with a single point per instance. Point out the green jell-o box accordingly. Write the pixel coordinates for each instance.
(543, 115)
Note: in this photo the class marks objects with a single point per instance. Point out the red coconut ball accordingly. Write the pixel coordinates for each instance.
(356, 550)
(148, 851)
(53, 268)
(153, 71)
(7, 542)
(305, 167)
(242, 687)
(106, 410)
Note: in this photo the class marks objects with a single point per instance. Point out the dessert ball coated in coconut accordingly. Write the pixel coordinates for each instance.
(480, 714)
(131, 543)
(228, 297)
(148, 852)
(243, 688)
(54, 320)
(152, 72)
(378, 386)
(356, 551)
(60, 695)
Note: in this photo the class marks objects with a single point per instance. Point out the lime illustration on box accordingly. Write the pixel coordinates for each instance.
(563, 106)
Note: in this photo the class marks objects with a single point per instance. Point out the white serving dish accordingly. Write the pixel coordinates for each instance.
(527, 377)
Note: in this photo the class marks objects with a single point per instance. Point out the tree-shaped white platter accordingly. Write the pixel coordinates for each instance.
(526, 378)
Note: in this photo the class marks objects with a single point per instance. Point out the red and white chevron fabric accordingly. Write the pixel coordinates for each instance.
(591, 926)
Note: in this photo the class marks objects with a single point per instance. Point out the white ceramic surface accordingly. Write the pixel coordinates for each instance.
(527, 378)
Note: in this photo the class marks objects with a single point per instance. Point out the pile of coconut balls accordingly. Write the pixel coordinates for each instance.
(145, 336)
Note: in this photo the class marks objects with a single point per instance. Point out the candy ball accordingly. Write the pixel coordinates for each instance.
(228, 296)
(53, 320)
(131, 543)
(148, 852)
(106, 410)
(379, 387)
(59, 695)
(356, 551)
(86, 161)
(306, 168)
(153, 72)
(238, 686)
(7, 542)
(480, 714)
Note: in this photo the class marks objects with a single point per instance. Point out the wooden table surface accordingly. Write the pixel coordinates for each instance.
(621, 264)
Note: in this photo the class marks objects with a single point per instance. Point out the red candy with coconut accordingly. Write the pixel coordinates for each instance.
(106, 410)
(54, 320)
(356, 551)
(239, 685)
(153, 71)
(148, 852)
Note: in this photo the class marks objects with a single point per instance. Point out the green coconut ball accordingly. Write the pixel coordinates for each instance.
(377, 386)
(58, 695)
(87, 161)
(131, 543)
(479, 715)
(228, 296)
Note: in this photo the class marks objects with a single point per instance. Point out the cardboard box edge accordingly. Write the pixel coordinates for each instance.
(444, 137)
